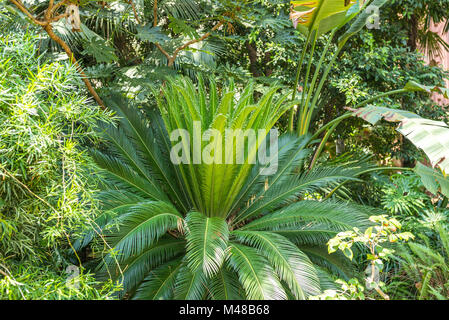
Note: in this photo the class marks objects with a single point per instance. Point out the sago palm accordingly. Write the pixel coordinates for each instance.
(217, 230)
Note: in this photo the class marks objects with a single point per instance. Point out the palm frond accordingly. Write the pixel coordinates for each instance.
(292, 265)
(207, 241)
(140, 227)
(121, 175)
(137, 267)
(159, 284)
(143, 140)
(336, 215)
(255, 274)
(293, 187)
(190, 285)
(336, 264)
(225, 285)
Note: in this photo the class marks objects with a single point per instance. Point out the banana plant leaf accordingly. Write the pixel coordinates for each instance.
(414, 86)
(429, 135)
(322, 16)
(359, 22)
(432, 180)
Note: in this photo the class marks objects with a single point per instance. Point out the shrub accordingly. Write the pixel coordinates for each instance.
(45, 117)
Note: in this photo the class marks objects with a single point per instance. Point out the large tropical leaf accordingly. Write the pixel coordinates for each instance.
(207, 240)
(359, 23)
(433, 180)
(321, 16)
(429, 135)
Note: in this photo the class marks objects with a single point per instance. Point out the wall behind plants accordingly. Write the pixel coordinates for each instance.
(45, 118)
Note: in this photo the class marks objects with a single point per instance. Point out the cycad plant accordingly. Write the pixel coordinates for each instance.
(218, 230)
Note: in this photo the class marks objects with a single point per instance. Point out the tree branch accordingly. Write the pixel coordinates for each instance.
(130, 2)
(49, 29)
(46, 25)
(206, 35)
(155, 13)
(22, 8)
(171, 59)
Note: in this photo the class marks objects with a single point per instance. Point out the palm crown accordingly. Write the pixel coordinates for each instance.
(217, 230)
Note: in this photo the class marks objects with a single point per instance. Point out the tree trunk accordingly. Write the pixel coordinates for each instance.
(253, 65)
(413, 33)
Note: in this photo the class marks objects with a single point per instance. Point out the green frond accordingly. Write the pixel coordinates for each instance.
(118, 200)
(140, 227)
(159, 284)
(137, 266)
(310, 234)
(255, 274)
(214, 187)
(337, 216)
(122, 175)
(290, 155)
(336, 263)
(292, 265)
(207, 241)
(294, 186)
(225, 285)
(190, 285)
(326, 281)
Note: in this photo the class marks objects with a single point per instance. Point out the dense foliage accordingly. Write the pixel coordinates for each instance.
(44, 194)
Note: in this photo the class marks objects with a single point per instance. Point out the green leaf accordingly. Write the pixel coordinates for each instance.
(207, 239)
(320, 16)
(432, 180)
(359, 23)
(151, 34)
(255, 274)
(429, 135)
(414, 86)
(290, 263)
(100, 50)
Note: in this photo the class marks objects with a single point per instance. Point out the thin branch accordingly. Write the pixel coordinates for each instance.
(46, 25)
(171, 59)
(59, 17)
(130, 2)
(155, 13)
(69, 53)
(22, 8)
(165, 53)
(56, 6)
(206, 35)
